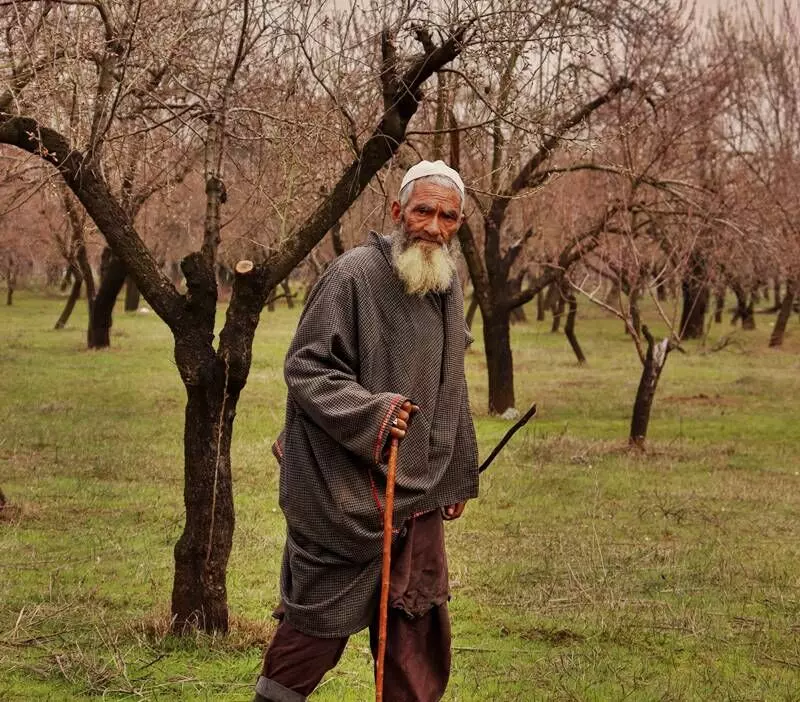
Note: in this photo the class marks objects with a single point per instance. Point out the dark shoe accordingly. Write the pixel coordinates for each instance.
(269, 691)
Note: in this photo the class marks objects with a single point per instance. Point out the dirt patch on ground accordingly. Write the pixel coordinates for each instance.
(700, 399)
(555, 637)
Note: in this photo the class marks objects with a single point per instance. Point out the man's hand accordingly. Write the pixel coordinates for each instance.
(400, 427)
(452, 512)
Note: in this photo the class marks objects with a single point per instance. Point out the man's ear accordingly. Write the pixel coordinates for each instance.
(397, 211)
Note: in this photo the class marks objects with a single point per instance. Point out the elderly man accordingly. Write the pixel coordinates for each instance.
(378, 352)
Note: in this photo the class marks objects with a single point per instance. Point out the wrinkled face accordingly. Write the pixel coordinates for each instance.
(421, 248)
(432, 215)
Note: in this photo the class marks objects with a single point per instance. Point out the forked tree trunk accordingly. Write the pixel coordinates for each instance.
(779, 330)
(132, 296)
(499, 361)
(112, 278)
(540, 306)
(655, 359)
(74, 295)
(569, 328)
(199, 590)
(214, 381)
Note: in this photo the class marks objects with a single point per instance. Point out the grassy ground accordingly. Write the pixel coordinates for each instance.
(584, 572)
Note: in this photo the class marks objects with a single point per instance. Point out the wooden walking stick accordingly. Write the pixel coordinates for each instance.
(391, 474)
(387, 562)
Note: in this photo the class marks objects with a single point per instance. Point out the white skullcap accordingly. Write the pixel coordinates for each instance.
(429, 168)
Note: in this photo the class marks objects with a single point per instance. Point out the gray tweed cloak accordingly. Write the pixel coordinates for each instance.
(363, 346)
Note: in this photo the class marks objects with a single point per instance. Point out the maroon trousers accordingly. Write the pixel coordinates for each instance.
(417, 663)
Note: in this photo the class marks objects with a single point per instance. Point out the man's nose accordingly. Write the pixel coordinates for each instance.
(433, 228)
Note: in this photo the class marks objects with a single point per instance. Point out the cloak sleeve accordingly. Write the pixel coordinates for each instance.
(322, 371)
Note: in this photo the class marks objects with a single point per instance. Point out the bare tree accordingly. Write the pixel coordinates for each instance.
(518, 130)
(214, 376)
(762, 129)
(671, 218)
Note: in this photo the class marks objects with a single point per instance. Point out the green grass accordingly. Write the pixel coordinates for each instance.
(585, 571)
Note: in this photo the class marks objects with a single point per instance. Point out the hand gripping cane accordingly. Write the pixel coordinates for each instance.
(387, 562)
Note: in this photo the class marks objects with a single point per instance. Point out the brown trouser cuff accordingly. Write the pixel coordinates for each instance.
(269, 691)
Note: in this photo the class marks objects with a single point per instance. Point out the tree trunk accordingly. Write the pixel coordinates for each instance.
(695, 303)
(66, 280)
(776, 287)
(779, 330)
(112, 278)
(612, 296)
(551, 296)
(540, 306)
(132, 295)
(558, 311)
(74, 294)
(744, 308)
(719, 305)
(11, 280)
(199, 592)
(499, 361)
(513, 288)
(213, 381)
(54, 274)
(471, 310)
(748, 317)
(288, 292)
(655, 360)
(85, 268)
(661, 291)
(569, 328)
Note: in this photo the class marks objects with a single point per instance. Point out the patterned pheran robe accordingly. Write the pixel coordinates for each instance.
(363, 346)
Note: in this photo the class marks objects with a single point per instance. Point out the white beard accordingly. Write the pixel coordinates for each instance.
(422, 268)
